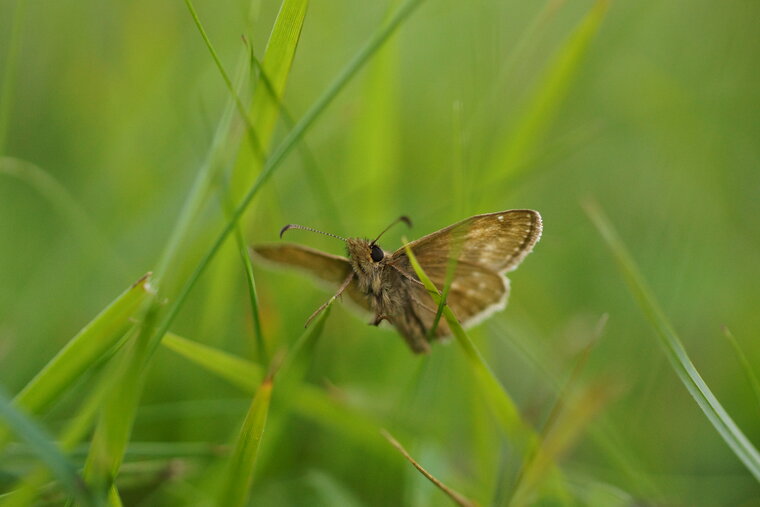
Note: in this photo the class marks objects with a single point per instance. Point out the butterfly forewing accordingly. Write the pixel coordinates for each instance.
(332, 269)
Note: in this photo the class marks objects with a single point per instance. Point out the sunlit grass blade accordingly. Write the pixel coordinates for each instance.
(742, 358)
(240, 372)
(502, 404)
(547, 98)
(38, 440)
(82, 351)
(673, 347)
(239, 475)
(455, 496)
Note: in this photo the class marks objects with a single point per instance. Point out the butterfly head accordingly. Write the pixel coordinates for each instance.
(365, 255)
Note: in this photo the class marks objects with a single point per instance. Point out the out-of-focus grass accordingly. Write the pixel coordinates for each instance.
(108, 112)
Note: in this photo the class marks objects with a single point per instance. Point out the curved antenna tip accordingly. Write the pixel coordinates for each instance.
(282, 231)
(406, 220)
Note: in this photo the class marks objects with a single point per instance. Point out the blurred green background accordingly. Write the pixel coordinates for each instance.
(652, 109)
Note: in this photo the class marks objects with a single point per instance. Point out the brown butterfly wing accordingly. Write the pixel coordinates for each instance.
(332, 269)
(486, 247)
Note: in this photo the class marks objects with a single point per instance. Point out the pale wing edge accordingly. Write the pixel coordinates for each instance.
(530, 241)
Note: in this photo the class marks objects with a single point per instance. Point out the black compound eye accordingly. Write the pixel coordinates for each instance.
(377, 253)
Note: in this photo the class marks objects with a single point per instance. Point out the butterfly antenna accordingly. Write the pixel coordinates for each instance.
(402, 218)
(296, 226)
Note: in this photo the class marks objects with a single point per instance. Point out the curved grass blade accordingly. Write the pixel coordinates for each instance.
(82, 351)
(455, 496)
(239, 474)
(545, 103)
(672, 345)
(43, 446)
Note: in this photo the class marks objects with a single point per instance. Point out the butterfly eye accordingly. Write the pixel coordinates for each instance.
(377, 253)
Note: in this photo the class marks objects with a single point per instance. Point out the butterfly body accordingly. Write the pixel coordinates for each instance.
(472, 255)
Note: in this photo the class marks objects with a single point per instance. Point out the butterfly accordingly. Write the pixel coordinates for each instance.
(474, 255)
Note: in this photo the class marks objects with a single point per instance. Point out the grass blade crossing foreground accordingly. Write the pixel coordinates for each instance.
(47, 451)
(500, 401)
(672, 346)
(82, 351)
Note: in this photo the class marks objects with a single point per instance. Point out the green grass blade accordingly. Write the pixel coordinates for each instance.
(672, 346)
(260, 123)
(497, 397)
(45, 449)
(252, 136)
(549, 94)
(501, 402)
(239, 475)
(75, 431)
(744, 362)
(240, 372)
(82, 351)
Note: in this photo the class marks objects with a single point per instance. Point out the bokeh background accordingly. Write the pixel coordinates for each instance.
(651, 109)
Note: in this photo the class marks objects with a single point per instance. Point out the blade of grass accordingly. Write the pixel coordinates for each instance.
(82, 351)
(74, 432)
(548, 96)
(455, 496)
(280, 51)
(308, 161)
(240, 372)
(742, 358)
(41, 443)
(255, 143)
(239, 475)
(672, 345)
(498, 398)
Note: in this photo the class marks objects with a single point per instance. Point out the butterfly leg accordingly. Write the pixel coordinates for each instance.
(342, 287)
(378, 319)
